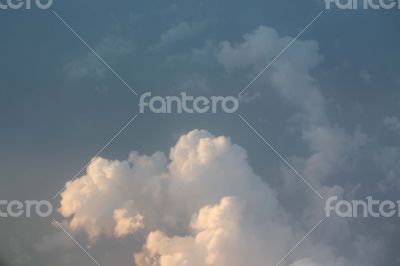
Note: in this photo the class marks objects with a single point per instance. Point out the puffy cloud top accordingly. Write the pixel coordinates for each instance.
(202, 207)
(205, 206)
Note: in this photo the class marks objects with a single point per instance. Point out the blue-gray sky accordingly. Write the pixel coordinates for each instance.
(332, 100)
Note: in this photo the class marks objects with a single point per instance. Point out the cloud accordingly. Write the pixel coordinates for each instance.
(330, 148)
(204, 205)
(309, 262)
(223, 234)
(53, 241)
(127, 221)
(291, 76)
(387, 159)
(392, 123)
(92, 200)
(179, 33)
(365, 76)
(202, 168)
(91, 67)
(304, 262)
(257, 46)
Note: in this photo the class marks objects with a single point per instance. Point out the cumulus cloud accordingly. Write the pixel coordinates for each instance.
(127, 222)
(205, 206)
(291, 76)
(331, 147)
(92, 200)
(202, 168)
(223, 234)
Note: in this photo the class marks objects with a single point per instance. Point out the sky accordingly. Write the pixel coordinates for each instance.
(199, 189)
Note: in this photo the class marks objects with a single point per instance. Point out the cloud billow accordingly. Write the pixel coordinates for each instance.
(205, 206)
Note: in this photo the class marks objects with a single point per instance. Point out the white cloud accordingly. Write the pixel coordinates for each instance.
(224, 234)
(127, 221)
(91, 200)
(205, 207)
(203, 168)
